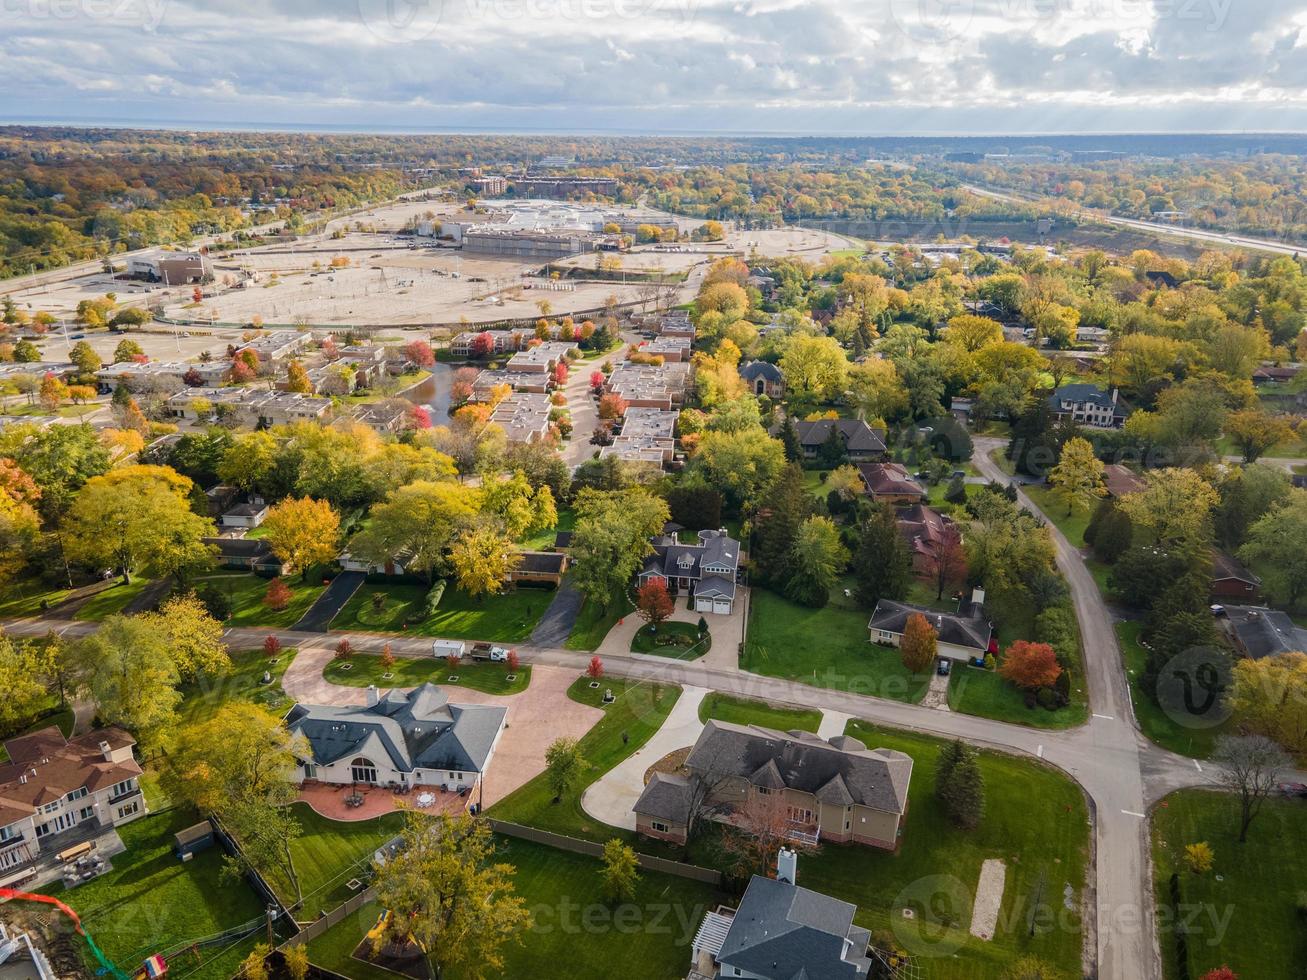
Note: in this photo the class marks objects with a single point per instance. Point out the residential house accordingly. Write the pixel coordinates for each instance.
(763, 378)
(1089, 405)
(502, 341)
(55, 792)
(782, 932)
(963, 635)
(1276, 374)
(249, 515)
(661, 386)
(1121, 480)
(397, 739)
(246, 555)
(275, 349)
(707, 570)
(834, 790)
(1257, 632)
(926, 532)
(540, 359)
(523, 417)
(861, 441)
(891, 483)
(1231, 581)
(539, 568)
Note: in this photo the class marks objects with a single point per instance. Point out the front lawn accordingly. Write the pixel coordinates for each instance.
(678, 640)
(246, 592)
(630, 721)
(202, 698)
(30, 597)
(1191, 735)
(1247, 911)
(975, 691)
(151, 902)
(827, 647)
(571, 924)
(111, 601)
(742, 711)
(365, 669)
(593, 622)
(506, 618)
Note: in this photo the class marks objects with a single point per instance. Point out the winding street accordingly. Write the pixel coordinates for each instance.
(1122, 773)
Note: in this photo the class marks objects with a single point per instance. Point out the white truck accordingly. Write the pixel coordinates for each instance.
(485, 651)
(448, 648)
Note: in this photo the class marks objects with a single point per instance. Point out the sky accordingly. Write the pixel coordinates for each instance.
(867, 67)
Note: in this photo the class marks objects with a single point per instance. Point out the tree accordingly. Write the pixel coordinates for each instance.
(1078, 477)
(297, 379)
(1222, 972)
(22, 680)
(1198, 858)
(302, 532)
(815, 368)
(1032, 968)
(653, 603)
(1030, 666)
(612, 537)
(137, 517)
(419, 520)
(249, 460)
(86, 359)
(127, 670)
(255, 964)
(595, 669)
(1174, 506)
(193, 636)
(971, 332)
(945, 562)
(241, 754)
(1277, 543)
(278, 595)
(790, 440)
(757, 831)
(523, 509)
(1254, 432)
(919, 644)
(817, 559)
(483, 559)
(127, 350)
(297, 961)
(419, 354)
(448, 896)
(26, 352)
(1269, 697)
(1250, 768)
(271, 646)
(881, 563)
(563, 765)
(960, 785)
(742, 465)
(621, 871)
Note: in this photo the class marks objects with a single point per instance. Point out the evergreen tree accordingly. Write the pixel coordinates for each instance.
(786, 506)
(960, 785)
(881, 563)
(790, 440)
(833, 451)
(949, 757)
(957, 491)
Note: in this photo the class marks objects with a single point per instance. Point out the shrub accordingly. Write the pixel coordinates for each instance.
(278, 595)
(217, 602)
(343, 649)
(272, 645)
(434, 596)
(1047, 698)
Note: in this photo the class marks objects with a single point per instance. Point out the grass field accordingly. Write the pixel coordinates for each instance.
(150, 901)
(741, 711)
(24, 599)
(111, 601)
(244, 682)
(507, 618)
(680, 641)
(593, 623)
(1260, 887)
(410, 672)
(329, 853)
(973, 691)
(544, 540)
(629, 722)
(1192, 736)
(246, 593)
(571, 923)
(826, 647)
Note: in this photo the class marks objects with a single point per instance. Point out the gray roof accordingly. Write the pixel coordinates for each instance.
(843, 773)
(760, 369)
(715, 587)
(858, 436)
(1086, 394)
(670, 559)
(966, 628)
(418, 730)
(1264, 632)
(665, 797)
(784, 932)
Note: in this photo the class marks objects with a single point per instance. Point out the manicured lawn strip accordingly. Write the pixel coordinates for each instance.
(411, 671)
(246, 593)
(688, 647)
(244, 682)
(826, 647)
(742, 711)
(639, 711)
(593, 622)
(151, 901)
(24, 599)
(935, 494)
(1197, 739)
(653, 937)
(508, 617)
(974, 691)
(1071, 525)
(544, 541)
(329, 853)
(1262, 882)
(111, 601)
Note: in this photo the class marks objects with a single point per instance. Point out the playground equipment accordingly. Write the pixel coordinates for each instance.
(106, 965)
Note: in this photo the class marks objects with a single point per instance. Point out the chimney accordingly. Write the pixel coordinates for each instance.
(106, 752)
(1115, 394)
(787, 865)
(373, 697)
(977, 596)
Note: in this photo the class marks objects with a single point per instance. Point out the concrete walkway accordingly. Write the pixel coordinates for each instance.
(833, 723)
(611, 797)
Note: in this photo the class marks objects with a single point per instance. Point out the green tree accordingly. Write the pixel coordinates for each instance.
(194, 637)
(421, 521)
(59, 458)
(743, 465)
(22, 678)
(817, 560)
(881, 564)
(249, 460)
(86, 359)
(523, 509)
(960, 785)
(1277, 544)
(785, 507)
(563, 766)
(815, 368)
(621, 871)
(1078, 477)
(128, 670)
(612, 538)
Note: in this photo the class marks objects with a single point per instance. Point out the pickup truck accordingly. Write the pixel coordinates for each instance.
(486, 651)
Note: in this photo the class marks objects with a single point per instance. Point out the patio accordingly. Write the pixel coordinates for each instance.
(330, 801)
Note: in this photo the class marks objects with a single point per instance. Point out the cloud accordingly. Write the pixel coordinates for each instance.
(663, 65)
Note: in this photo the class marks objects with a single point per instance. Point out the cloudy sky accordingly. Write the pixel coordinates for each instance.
(649, 66)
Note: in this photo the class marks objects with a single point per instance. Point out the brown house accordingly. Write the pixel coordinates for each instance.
(837, 790)
(926, 531)
(540, 568)
(1230, 580)
(891, 482)
(1121, 480)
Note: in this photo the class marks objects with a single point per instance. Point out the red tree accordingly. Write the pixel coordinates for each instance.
(419, 418)
(344, 648)
(278, 595)
(1221, 973)
(612, 406)
(653, 602)
(560, 374)
(419, 352)
(453, 660)
(596, 668)
(483, 345)
(597, 380)
(387, 657)
(329, 349)
(140, 359)
(514, 661)
(272, 645)
(946, 565)
(1030, 665)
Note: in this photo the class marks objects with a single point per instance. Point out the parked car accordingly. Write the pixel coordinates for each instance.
(943, 667)
(1293, 789)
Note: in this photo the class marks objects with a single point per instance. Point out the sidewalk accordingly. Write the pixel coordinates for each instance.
(611, 797)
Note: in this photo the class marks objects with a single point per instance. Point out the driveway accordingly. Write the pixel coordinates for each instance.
(727, 632)
(611, 797)
(559, 618)
(333, 599)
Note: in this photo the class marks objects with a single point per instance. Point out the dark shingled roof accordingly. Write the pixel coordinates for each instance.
(541, 562)
(1264, 632)
(666, 797)
(784, 932)
(1225, 567)
(858, 436)
(876, 778)
(761, 369)
(966, 628)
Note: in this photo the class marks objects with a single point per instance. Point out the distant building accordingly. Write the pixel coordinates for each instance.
(171, 268)
(763, 378)
(891, 483)
(861, 441)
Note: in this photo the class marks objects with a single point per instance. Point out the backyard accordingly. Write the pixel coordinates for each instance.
(827, 647)
(329, 854)
(1247, 911)
(366, 669)
(507, 618)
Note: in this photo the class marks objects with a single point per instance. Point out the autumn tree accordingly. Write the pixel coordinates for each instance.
(563, 766)
(621, 872)
(1174, 506)
(815, 368)
(1255, 432)
(302, 532)
(612, 538)
(278, 595)
(1268, 696)
(193, 636)
(419, 353)
(483, 558)
(1077, 478)
(595, 669)
(22, 678)
(419, 520)
(1199, 858)
(653, 602)
(249, 460)
(297, 379)
(1030, 666)
(945, 562)
(918, 646)
(523, 509)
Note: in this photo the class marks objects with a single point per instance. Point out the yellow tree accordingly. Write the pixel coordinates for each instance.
(297, 379)
(973, 332)
(1077, 478)
(303, 532)
(919, 644)
(1254, 432)
(482, 558)
(1269, 697)
(1174, 506)
(194, 636)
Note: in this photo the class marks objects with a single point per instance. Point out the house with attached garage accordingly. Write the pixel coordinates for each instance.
(1086, 404)
(861, 441)
(398, 740)
(963, 635)
(708, 569)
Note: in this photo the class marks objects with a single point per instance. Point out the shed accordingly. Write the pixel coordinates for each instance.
(189, 842)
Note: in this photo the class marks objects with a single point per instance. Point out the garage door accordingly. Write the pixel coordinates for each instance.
(722, 606)
(703, 605)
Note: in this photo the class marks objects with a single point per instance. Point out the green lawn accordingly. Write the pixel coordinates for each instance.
(826, 647)
(593, 622)
(329, 853)
(1187, 735)
(680, 641)
(571, 922)
(366, 669)
(974, 691)
(244, 682)
(628, 723)
(111, 601)
(246, 593)
(544, 541)
(742, 711)
(24, 599)
(506, 618)
(150, 901)
(1260, 888)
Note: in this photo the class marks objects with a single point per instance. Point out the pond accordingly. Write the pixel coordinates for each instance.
(434, 392)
